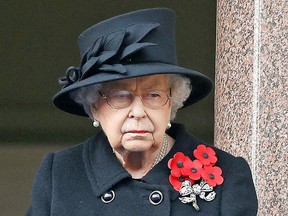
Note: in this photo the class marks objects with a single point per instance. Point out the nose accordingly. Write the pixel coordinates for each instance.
(137, 108)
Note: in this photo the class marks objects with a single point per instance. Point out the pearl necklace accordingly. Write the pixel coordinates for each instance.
(163, 151)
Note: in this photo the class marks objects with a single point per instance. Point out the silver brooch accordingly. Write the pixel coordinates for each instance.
(189, 192)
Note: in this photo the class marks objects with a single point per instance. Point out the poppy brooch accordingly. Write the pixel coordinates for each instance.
(197, 177)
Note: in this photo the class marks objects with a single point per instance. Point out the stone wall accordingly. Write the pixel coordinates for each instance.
(251, 101)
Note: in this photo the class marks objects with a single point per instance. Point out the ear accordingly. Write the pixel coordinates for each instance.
(94, 112)
(170, 104)
(170, 110)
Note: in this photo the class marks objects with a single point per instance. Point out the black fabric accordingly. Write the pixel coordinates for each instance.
(71, 182)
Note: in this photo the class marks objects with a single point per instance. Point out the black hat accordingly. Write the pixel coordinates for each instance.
(134, 44)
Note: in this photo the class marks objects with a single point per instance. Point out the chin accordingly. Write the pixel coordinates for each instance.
(137, 145)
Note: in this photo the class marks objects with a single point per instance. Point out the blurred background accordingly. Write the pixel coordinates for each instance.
(38, 44)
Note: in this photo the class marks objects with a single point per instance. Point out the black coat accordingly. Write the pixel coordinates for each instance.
(72, 182)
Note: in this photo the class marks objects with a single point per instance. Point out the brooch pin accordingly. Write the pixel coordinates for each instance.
(197, 177)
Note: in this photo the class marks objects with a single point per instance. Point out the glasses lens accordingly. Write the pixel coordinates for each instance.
(152, 99)
(155, 99)
(119, 98)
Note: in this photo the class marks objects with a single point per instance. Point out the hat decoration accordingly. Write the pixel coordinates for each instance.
(197, 177)
(110, 52)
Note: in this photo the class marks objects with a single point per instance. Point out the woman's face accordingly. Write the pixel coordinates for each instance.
(135, 128)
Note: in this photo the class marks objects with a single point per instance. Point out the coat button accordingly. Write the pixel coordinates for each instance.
(108, 197)
(156, 197)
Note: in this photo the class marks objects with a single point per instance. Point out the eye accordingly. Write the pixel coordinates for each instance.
(119, 94)
(153, 94)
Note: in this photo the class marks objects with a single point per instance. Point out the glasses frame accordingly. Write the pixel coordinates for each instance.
(104, 96)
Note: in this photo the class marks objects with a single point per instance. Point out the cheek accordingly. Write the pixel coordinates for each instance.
(107, 116)
(160, 121)
(163, 117)
(111, 122)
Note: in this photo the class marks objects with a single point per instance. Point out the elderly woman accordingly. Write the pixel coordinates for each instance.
(140, 164)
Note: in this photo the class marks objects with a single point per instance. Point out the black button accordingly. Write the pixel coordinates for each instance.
(156, 197)
(108, 197)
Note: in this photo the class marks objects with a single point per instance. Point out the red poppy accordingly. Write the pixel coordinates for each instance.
(176, 182)
(206, 155)
(212, 175)
(192, 169)
(176, 164)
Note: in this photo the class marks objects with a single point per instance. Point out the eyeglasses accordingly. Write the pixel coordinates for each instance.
(153, 99)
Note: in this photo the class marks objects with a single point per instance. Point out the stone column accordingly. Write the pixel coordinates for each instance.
(251, 101)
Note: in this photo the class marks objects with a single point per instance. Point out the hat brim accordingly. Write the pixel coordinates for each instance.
(201, 85)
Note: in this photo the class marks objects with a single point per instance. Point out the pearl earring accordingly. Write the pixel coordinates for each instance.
(95, 123)
(168, 125)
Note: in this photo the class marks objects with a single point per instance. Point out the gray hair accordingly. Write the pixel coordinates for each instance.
(180, 88)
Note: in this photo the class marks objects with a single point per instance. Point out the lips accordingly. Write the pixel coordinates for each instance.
(139, 131)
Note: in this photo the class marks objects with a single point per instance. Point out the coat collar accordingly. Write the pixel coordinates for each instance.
(104, 170)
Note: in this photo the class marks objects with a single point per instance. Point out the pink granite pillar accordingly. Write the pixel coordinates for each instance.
(251, 102)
